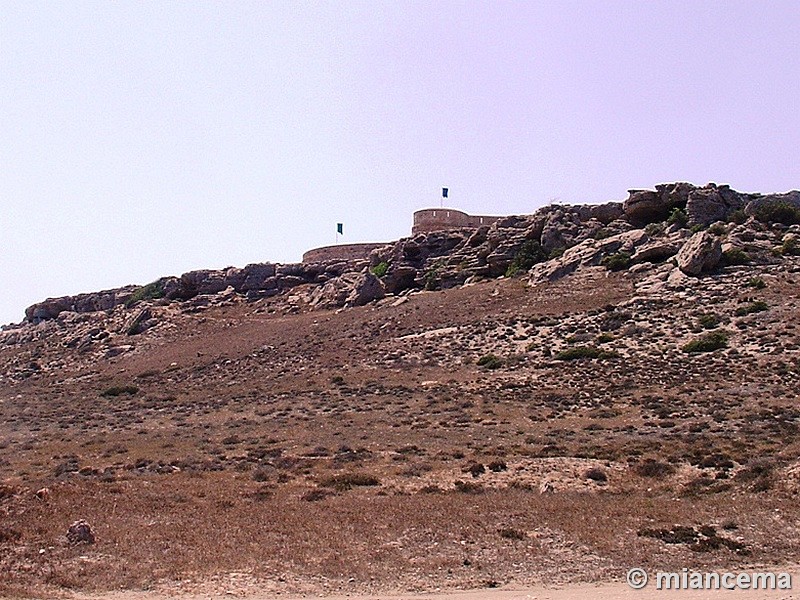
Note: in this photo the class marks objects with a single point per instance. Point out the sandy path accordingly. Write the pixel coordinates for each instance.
(604, 591)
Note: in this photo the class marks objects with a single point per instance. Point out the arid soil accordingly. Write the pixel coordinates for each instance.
(604, 591)
(264, 448)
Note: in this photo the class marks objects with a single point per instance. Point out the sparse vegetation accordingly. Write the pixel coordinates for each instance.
(708, 342)
(752, 308)
(700, 539)
(151, 291)
(709, 320)
(347, 481)
(718, 229)
(739, 217)
(778, 212)
(602, 233)
(509, 533)
(678, 217)
(380, 269)
(119, 390)
(790, 247)
(596, 474)
(581, 352)
(490, 361)
(528, 255)
(617, 262)
(735, 256)
(431, 276)
(653, 468)
(339, 432)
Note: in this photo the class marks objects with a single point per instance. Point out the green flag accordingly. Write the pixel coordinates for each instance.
(340, 228)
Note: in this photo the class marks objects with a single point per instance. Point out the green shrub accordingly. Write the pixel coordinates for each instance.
(557, 252)
(596, 474)
(754, 307)
(778, 212)
(738, 216)
(604, 338)
(678, 217)
(617, 262)
(579, 352)
(790, 247)
(735, 256)
(511, 534)
(118, 390)
(490, 361)
(697, 228)
(653, 468)
(347, 481)
(654, 229)
(528, 255)
(707, 342)
(757, 283)
(151, 291)
(602, 233)
(718, 229)
(708, 321)
(380, 269)
(431, 276)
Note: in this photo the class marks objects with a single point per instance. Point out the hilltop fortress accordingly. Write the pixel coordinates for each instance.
(674, 231)
(425, 221)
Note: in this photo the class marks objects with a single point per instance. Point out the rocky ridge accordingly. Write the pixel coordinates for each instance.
(701, 227)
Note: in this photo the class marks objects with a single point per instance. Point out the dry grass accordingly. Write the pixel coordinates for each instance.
(300, 446)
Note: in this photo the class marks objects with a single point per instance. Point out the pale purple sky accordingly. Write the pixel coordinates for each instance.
(141, 139)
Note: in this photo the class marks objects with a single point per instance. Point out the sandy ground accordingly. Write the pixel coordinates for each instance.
(603, 591)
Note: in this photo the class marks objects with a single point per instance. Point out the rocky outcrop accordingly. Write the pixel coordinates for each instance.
(759, 202)
(647, 206)
(700, 254)
(713, 203)
(350, 289)
(588, 253)
(92, 302)
(258, 280)
(552, 242)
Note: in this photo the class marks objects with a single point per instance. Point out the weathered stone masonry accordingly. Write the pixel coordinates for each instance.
(440, 219)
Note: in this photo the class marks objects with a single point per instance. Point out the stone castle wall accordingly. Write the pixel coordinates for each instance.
(425, 220)
(437, 219)
(345, 252)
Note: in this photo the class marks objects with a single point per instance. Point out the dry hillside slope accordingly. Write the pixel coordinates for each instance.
(587, 413)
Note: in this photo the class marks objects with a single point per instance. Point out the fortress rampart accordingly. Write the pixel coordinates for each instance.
(425, 220)
(341, 252)
(437, 219)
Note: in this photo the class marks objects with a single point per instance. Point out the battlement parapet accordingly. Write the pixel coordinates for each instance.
(438, 219)
(343, 252)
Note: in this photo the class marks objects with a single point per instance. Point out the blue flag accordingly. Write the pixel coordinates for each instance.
(340, 228)
(444, 192)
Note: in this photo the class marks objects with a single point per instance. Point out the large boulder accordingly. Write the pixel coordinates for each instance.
(713, 203)
(700, 254)
(203, 281)
(647, 206)
(350, 289)
(606, 213)
(366, 288)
